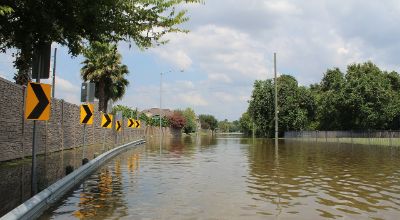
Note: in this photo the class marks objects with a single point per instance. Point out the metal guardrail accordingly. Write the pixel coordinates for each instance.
(36, 205)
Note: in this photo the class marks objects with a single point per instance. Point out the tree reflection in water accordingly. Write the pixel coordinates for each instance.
(334, 180)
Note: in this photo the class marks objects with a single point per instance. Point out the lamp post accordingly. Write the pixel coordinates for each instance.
(276, 103)
(161, 74)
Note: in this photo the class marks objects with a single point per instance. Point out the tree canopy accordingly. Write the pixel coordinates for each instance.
(296, 105)
(102, 65)
(190, 117)
(364, 97)
(208, 122)
(28, 24)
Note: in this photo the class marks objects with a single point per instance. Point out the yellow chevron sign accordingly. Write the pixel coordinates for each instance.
(37, 105)
(106, 121)
(118, 126)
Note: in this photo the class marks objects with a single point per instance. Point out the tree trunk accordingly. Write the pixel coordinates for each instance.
(23, 64)
(102, 101)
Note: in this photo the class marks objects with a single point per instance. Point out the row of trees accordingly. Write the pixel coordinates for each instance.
(364, 97)
(227, 126)
(187, 120)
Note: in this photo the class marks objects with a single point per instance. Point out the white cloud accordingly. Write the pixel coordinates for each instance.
(192, 99)
(219, 77)
(178, 57)
(342, 50)
(225, 97)
(185, 84)
(66, 86)
(67, 90)
(282, 7)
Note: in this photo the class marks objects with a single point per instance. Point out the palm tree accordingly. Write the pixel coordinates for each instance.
(103, 67)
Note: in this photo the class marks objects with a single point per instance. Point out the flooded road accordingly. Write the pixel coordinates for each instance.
(238, 178)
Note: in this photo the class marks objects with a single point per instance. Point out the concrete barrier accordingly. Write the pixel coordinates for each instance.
(36, 205)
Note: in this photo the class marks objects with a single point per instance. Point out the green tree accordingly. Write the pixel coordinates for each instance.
(246, 124)
(208, 122)
(224, 126)
(190, 117)
(370, 100)
(127, 112)
(144, 118)
(331, 100)
(234, 126)
(363, 98)
(296, 106)
(4, 9)
(76, 22)
(102, 65)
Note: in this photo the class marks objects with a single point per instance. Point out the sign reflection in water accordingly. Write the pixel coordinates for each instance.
(232, 178)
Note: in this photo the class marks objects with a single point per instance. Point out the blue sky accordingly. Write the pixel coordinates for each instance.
(231, 44)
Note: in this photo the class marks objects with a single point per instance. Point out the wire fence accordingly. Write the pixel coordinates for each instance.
(386, 138)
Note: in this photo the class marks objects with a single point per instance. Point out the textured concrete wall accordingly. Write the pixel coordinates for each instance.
(62, 131)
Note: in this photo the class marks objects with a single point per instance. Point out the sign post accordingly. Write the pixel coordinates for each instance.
(118, 125)
(37, 105)
(86, 118)
(106, 122)
(87, 95)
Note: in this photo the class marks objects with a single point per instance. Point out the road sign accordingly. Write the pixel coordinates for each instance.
(137, 124)
(106, 120)
(109, 106)
(87, 92)
(37, 105)
(131, 122)
(87, 114)
(41, 61)
(118, 126)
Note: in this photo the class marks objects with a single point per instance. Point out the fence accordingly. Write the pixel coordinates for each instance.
(62, 131)
(387, 138)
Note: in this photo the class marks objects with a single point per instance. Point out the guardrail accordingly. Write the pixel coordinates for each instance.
(35, 206)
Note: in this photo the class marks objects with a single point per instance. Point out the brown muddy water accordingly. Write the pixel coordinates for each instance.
(238, 178)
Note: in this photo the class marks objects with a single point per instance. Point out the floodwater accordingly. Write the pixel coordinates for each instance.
(237, 178)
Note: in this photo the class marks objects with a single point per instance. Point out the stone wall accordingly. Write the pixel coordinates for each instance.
(62, 131)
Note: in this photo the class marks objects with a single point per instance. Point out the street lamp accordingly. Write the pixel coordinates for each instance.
(161, 74)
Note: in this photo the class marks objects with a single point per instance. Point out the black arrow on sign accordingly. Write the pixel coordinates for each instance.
(137, 124)
(107, 122)
(130, 123)
(88, 114)
(118, 125)
(42, 104)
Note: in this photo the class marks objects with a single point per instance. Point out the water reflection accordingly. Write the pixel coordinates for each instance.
(204, 177)
(336, 181)
(15, 184)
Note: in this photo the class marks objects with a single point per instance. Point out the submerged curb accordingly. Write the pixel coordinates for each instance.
(33, 207)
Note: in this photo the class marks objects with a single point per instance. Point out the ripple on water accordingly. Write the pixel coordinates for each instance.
(240, 179)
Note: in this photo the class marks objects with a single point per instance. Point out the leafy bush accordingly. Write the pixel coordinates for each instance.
(177, 120)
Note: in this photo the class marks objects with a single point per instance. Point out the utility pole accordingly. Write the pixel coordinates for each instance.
(276, 103)
(54, 73)
(160, 102)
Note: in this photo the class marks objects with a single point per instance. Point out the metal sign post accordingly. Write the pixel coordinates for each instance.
(33, 174)
(84, 142)
(104, 138)
(34, 144)
(87, 95)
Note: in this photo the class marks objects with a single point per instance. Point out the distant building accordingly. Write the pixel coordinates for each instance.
(156, 112)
